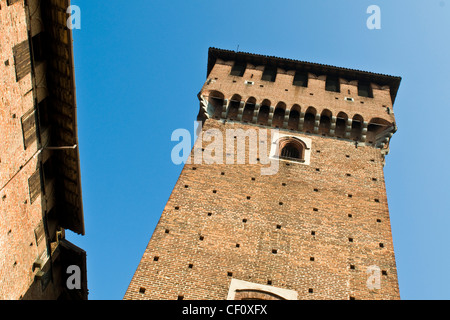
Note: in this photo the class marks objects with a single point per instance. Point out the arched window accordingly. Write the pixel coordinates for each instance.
(256, 295)
(263, 114)
(325, 122)
(215, 103)
(278, 115)
(294, 117)
(376, 127)
(244, 290)
(249, 108)
(310, 119)
(290, 148)
(233, 107)
(357, 123)
(341, 124)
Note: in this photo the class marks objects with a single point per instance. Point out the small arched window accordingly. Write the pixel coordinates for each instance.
(256, 295)
(291, 149)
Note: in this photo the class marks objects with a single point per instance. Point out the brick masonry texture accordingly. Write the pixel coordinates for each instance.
(19, 217)
(315, 228)
(20, 277)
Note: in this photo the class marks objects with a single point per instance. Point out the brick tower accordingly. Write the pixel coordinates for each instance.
(318, 226)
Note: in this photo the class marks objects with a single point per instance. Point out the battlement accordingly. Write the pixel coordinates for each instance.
(300, 96)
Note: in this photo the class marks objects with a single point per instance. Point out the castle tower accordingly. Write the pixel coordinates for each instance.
(40, 187)
(315, 227)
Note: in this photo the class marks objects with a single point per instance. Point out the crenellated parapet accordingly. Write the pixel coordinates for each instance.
(299, 96)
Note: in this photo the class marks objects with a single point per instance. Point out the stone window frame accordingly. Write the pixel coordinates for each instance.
(257, 291)
(279, 139)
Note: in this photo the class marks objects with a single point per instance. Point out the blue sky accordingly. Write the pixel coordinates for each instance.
(140, 64)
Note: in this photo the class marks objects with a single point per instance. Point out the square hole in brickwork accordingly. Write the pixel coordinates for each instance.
(248, 197)
(230, 274)
(381, 245)
(186, 186)
(237, 245)
(141, 290)
(155, 258)
(177, 208)
(374, 179)
(201, 238)
(222, 173)
(180, 298)
(376, 200)
(347, 156)
(209, 214)
(384, 272)
(311, 259)
(352, 298)
(316, 190)
(352, 267)
(317, 169)
(214, 191)
(283, 184)
(253, 179)
(190, 266)
(313, 233)
(244, 220)
(269, 282)
(288, 164)
(315, 209)
(194, 168)
(310, 290)
(318, 151)
(372, 160)
(280, 203)
(278, 226)
(348, 174)
(378, 220)
(350, 239)
(274, 251)
(350, 195)
(167, 231)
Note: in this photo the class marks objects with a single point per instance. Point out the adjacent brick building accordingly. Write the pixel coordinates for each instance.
(318, 227)
(40, 193)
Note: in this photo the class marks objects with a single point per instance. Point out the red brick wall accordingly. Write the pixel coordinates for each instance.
(18, 216)
(329, 275)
